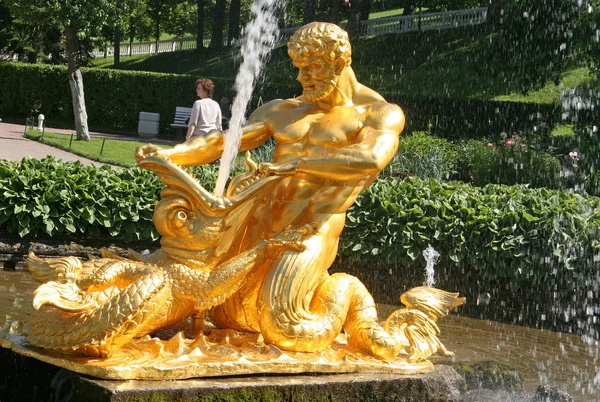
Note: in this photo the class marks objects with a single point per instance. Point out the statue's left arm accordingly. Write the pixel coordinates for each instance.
(374, 147)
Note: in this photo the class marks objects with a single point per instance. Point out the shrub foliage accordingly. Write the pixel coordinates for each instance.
(512, 231)
(46, 198)
(509, 231)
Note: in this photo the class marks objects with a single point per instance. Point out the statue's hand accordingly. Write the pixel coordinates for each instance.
(290, 238)
(285, 168)
(145, 151)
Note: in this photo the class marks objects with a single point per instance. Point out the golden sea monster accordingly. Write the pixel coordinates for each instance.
(90, 308)
(257, 258)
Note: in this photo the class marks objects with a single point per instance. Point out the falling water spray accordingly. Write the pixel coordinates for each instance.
(431, 257)
(260, 37)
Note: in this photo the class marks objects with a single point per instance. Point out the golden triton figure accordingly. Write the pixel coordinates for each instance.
(256, 259)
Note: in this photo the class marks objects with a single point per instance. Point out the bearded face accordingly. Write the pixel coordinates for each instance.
(317, 77)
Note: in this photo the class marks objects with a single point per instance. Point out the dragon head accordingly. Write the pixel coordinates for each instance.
(196, 225)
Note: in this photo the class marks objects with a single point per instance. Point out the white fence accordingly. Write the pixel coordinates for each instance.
(380, 26)
(424, 22)
(150, 47)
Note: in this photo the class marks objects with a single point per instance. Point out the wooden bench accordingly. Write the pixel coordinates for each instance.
(181, 120)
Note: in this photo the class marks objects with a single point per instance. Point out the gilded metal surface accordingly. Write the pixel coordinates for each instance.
(257, 258)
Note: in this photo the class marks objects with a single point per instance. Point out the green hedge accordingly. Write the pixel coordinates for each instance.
(516, 231)
(505, 231)
(114, 99)
(529, 255)
(50, 198)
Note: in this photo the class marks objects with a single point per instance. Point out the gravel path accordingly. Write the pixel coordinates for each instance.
(14, 146)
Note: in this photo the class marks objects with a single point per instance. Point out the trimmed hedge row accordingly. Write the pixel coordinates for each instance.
(47, 198)
(114, 99)
(505, 231)
(521, 255)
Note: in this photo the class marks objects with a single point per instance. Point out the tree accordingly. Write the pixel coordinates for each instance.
(133, 17)
(158, 10)
(200, 26)
(6, 28)
(118, 29)
(358, 11)
(495, 13)
(77, 20)
(181, 19)
(235, 11)
(216, 38)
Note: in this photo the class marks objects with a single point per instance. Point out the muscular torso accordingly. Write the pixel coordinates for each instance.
(309, 133)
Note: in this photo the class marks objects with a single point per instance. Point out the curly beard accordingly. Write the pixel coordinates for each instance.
(319, 89)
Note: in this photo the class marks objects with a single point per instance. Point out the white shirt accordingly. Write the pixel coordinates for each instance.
(206, 114)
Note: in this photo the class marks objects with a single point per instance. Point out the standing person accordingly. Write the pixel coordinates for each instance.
(206, 113)
(225, 107)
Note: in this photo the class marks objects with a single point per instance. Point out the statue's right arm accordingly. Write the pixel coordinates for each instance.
(205, 149)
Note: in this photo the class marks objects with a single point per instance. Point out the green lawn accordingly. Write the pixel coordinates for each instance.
(452, 63)
(114, 152)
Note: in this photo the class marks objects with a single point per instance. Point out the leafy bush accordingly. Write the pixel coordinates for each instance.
(511, 231)
(394, 218)
(536, 251)
(423, 155)
(52, 198)
(510, 161)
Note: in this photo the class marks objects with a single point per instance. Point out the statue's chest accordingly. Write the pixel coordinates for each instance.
(328, 130)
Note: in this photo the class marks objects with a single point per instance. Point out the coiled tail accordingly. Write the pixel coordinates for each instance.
(73, 317)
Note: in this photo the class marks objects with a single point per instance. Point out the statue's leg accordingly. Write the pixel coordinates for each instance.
(231, 280)
(291, 312)
(302, 308)
(340, 301)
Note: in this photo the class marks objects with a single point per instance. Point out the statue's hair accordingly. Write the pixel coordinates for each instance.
(320, 39)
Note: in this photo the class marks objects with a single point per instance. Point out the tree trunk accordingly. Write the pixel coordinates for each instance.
(310, 12)
(157, 32)
(76, 83)
(216, 38)
(335, 11)
(117, 49)
(131, 35)
(365, 9)
(235, 9)
(200, 26)
(409, 7)
(353, 27)
(495, 14)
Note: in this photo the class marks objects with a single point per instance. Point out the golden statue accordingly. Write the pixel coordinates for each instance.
(255, 260)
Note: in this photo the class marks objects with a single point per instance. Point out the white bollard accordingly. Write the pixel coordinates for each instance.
(40, 126)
